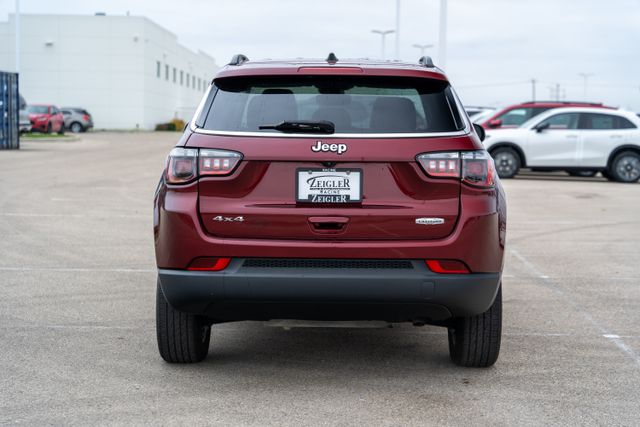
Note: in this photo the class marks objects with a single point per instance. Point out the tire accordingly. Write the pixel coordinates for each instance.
(474, 341)
(182, 337)
(583, 174)
(507, 161)
(61, 130)
(76, 127)
(49, 128)
(625, 167)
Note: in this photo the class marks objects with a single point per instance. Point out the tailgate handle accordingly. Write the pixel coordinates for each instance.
(328, 224)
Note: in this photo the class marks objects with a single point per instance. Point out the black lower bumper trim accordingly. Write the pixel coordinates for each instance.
(264, 293)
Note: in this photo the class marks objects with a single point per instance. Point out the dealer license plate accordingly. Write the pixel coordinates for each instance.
(329, 185)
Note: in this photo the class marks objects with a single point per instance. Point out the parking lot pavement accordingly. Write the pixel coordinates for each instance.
(77, 334)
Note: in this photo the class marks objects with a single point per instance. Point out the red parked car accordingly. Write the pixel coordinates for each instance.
(330, 190)
(515, 115)
(46, 118)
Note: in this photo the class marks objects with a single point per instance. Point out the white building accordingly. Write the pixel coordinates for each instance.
(127, 71)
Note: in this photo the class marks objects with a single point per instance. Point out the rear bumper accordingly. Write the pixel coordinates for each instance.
(413, 293)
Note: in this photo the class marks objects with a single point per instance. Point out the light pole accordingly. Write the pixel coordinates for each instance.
(585, 76)
(422, 48)
(442, 38)
(384, 35)
(17, 36)
(397, 29)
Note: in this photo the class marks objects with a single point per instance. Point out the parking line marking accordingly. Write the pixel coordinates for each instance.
(80, 270)
(46, 215)
(615, 339)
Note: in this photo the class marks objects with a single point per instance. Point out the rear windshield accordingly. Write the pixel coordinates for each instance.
(352, 104)
(38, 109)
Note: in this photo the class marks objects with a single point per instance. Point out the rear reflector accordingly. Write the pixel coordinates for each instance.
(209, 264)
(447, 266)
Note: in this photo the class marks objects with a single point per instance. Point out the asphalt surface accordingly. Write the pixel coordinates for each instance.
(77, 332)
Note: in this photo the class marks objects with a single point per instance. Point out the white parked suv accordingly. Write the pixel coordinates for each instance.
(581, 141)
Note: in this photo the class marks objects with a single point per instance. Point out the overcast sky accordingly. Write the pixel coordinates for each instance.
(495, 46)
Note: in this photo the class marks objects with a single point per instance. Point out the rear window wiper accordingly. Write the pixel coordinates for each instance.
(302, 126)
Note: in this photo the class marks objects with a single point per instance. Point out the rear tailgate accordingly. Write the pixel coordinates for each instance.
(398, 201)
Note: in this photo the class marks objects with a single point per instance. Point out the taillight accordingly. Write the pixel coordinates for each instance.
(441, 165)
(472, 167)
(218, 162)
(86, 117)
(478, 168)
(447, 266)
(182, 165)
(209, 264)
(186, 164)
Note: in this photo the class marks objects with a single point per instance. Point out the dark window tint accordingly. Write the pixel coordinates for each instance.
(518, 116)
(353, 104)
(562, 121)
(515, 117)
(623, 123)
(38, 109)
(596, 121)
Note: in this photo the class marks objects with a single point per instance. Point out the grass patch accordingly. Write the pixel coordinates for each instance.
(35, 136)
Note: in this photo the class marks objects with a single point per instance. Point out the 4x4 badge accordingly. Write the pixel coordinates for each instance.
(221, 218)
(324, 147)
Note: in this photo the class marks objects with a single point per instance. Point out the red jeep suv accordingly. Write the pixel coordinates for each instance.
(330, 190)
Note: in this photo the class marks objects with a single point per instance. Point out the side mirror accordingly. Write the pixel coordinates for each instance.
(479, 131)
(542, 127)
(495, 123)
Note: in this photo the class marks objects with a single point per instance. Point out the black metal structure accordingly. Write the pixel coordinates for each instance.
(9, 111)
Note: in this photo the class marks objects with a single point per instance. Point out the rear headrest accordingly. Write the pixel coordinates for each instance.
(333, 100)
(340, 117)
(393, 114)
(271, 107)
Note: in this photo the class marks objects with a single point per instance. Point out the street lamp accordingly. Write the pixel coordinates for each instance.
(422, 48)
(17, 36)
(397, 29)
(442, 38)
(384, 35)
(585, 76)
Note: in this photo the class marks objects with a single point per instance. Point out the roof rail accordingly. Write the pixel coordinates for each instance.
(554, 101)
(426, 61)
(238, 59)
(332, 58)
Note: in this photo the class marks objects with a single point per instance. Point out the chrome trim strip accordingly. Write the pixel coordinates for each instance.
(332, 135)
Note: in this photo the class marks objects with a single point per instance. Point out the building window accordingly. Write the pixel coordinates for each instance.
(181, 77)
(193, 82)
(158, 69)
(175, 72)
(166, 71)
(188, 79)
